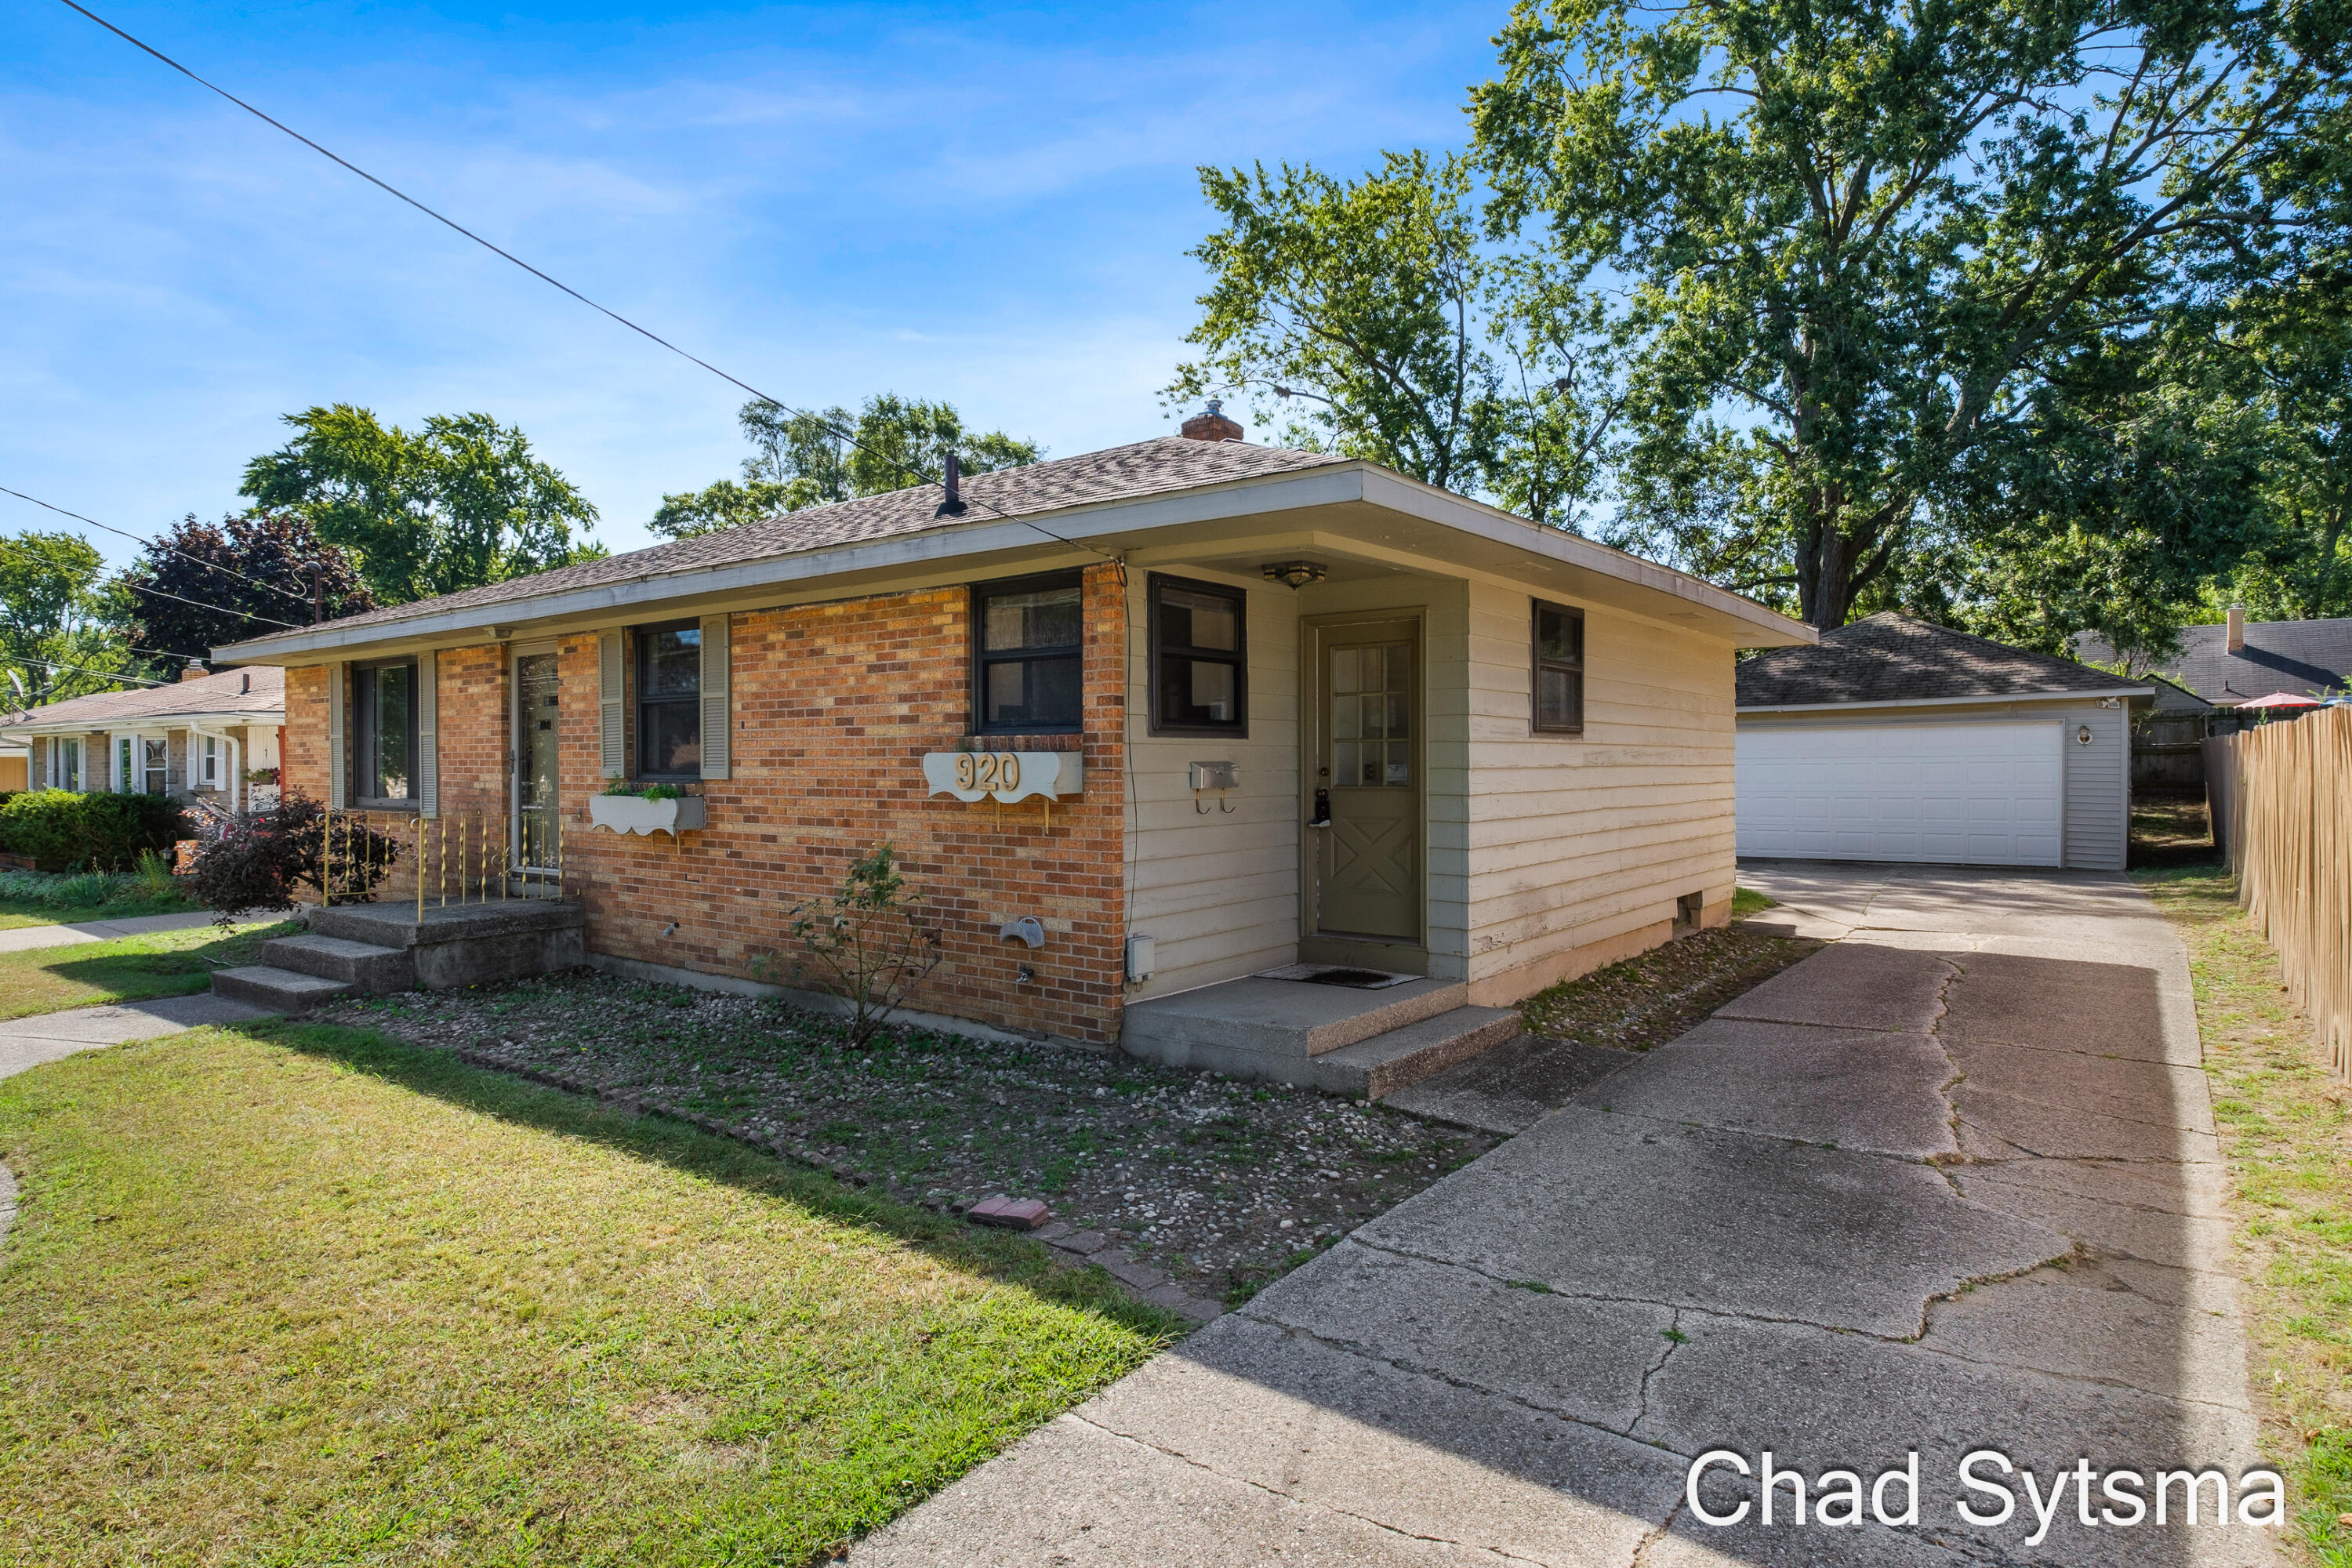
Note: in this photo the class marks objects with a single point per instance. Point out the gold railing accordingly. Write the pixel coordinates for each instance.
(448, 860)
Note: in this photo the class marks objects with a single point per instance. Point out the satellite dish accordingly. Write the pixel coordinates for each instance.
(16, 684)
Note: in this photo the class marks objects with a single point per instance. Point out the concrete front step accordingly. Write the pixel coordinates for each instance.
(1391, 1061)
(372, 970)
(280, 990)
(1241, 1025)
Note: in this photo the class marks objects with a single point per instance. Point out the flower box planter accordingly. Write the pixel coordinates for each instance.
(636, 813)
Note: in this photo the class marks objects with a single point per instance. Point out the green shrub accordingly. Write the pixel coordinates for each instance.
(62, 830)
(88, 890)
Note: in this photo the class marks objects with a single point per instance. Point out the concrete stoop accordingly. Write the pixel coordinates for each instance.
(374, 949)
(1363, 1044)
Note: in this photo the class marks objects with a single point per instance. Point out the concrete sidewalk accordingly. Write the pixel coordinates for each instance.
(1948, 1184)
(46, 1036)
(23, 938)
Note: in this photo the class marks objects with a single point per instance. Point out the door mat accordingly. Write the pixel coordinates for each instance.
(1338, 975)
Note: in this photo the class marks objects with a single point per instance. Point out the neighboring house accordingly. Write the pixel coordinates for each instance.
(1896, 740)
(1273, 707)
(2241, 660)
(16, 766)
(198, 737)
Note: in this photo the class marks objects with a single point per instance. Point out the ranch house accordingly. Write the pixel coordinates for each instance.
(1269, 761)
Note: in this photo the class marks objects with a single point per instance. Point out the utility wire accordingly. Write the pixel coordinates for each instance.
(917, 474)
(85, 669)
(155, 544)
(142, 588)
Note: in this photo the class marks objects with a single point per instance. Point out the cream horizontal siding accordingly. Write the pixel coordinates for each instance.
(1218, 892)
(1577, 840)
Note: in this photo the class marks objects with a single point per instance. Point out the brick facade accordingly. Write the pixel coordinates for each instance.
(834, 706)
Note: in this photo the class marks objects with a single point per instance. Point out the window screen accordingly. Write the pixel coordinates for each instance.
(1559, 670)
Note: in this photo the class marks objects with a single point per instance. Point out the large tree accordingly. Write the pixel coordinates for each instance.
(802, 460)
(1858, 239)
(202, 585)
(460, 502)
(60, 621)
(1369, 319)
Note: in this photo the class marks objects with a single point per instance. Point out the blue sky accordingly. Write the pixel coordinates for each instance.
(988, 204)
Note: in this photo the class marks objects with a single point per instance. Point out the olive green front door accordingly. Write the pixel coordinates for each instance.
(1367, 856)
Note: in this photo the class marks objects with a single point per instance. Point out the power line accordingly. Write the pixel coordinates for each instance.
(155, 544)
(85, 669)
(918, 476)
(142, 588)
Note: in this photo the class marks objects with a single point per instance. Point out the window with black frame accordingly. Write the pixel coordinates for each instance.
(383, 704)
(1559, 670)
(1028, 665)
(1200, 676)
(669, 701)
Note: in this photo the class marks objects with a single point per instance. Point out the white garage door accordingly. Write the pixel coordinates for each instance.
(1968, 795)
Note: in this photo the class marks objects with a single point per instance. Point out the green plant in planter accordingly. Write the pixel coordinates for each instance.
(619, 785)
(866, 942)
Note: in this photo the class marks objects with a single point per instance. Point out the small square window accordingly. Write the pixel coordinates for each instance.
(1028, 664)
(1558, 706)
(1200, 670)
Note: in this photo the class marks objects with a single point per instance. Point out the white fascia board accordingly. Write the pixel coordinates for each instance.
(1398, 493)
(2049, 697)
(1085, 527)
(137, 722)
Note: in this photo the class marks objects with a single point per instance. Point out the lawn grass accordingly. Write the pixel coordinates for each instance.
(1746, 901)
(126, 968)
(298, 1294)
(2286, 1131)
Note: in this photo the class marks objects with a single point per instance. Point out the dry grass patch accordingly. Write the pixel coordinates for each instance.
(304, 1295)
(2287, 1130)
(1653, 997)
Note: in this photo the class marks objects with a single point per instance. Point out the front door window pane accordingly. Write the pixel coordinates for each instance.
(537, 711)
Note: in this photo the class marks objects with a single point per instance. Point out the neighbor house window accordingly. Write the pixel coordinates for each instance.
(383, 700)
(669, 701)
(1200, 680)
(1559, 670)
(126, 778)
(155, 755)
(1027, 667)
(212, 762)
(65, 764)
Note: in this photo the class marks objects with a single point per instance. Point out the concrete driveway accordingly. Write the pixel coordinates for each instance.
(1950, 1185)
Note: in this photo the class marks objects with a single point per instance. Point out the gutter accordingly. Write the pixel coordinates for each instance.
(2122, 692)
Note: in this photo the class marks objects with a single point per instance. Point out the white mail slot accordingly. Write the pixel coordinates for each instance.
(1006, 776)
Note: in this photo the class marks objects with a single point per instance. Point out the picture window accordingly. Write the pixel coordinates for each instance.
(383, 703)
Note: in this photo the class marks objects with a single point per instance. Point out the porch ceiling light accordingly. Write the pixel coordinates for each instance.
(1298, 574)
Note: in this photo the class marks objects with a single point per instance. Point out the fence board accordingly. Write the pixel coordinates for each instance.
(2280, 795)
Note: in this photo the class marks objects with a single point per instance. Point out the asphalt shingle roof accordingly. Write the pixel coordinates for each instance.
(1888, 658)
(258, 689)
(2307, 657)
(1116, 473)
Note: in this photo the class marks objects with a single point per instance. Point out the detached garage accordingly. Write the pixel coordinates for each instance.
(1893, 739)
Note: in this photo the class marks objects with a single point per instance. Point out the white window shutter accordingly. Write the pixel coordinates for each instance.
(612, 730)
(337, 763)
(717, 713)
(429, 735)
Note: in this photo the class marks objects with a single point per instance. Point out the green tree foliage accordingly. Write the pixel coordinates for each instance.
(1370, 314)
(62, 624)
(459, 503)
(801, 460)
(229, 581)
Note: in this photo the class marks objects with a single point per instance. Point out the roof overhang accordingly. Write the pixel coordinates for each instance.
(127, 724)
(1391, 514)
(2125, 693)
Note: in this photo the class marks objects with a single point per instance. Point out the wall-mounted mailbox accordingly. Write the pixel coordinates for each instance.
(1217, 776)
(1006, 776)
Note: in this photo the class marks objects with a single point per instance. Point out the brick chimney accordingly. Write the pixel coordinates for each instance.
(192, 670)
(1210, 426)
(2234, 640)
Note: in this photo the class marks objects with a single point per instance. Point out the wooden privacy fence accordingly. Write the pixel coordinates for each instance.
(2281, 803)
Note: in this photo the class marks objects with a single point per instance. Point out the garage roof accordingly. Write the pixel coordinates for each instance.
(1887, 660)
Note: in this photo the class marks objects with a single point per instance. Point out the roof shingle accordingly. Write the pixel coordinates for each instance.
(2309, 658)
(1117, 473)
(256, 689)
(1888, 658)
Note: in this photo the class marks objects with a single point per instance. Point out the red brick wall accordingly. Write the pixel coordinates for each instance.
(473, 732)
(834, 706)
(302, 743)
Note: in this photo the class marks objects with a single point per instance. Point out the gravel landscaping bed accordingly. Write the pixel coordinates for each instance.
(1650, 999)
(1223, 1185)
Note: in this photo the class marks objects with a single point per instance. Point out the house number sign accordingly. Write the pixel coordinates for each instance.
(1006, 776)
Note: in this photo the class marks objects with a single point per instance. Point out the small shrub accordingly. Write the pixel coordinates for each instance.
(261, 862)
(84, 891)
(866, 944)
(60, 829)
(154, 873)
